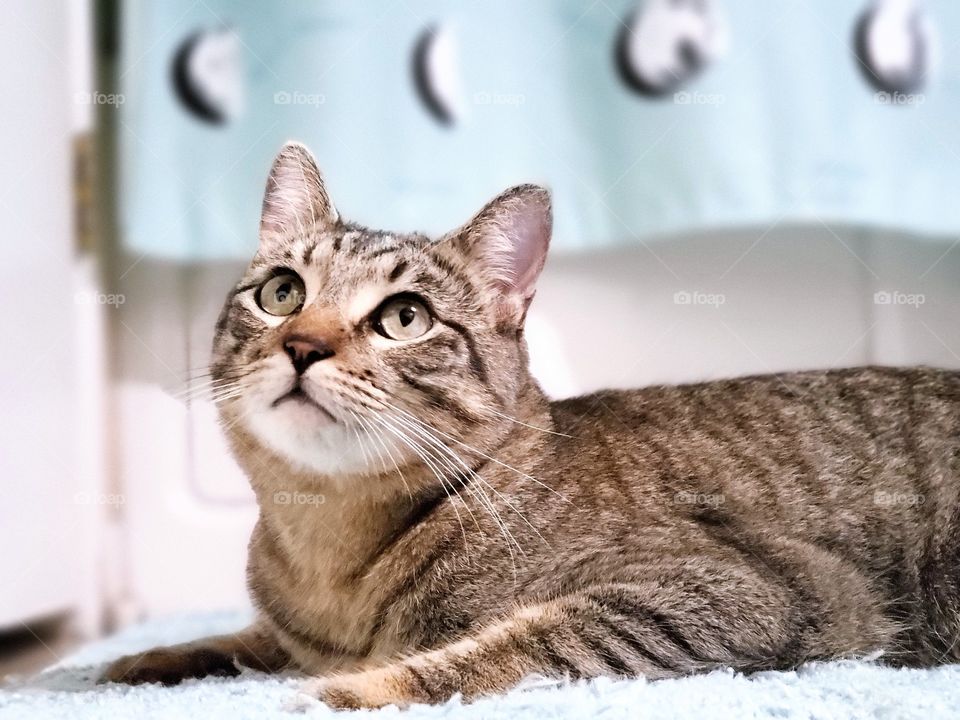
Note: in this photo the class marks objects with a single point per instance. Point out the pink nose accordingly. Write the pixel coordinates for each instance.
(305, 351)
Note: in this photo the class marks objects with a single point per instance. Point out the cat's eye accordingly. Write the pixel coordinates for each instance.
(282, 294)
(402, 318)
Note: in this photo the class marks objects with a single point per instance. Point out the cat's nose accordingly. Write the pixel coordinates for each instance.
(305, 351)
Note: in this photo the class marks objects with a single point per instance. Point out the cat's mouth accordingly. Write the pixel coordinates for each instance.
(299, 396)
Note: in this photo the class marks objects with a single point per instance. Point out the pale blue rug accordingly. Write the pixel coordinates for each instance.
(821, 691)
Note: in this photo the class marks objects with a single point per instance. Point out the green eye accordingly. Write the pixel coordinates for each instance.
(402, 318)
(282, 294)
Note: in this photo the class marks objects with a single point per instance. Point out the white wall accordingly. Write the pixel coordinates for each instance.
(42, 517)
(792, 298)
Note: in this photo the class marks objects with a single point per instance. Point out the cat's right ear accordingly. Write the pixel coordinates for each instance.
(296, 198)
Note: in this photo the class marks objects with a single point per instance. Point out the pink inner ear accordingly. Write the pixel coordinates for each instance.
(523, 226)
(530, 234)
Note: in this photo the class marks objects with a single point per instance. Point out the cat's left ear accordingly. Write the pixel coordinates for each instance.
(296, 198)
(506, 242)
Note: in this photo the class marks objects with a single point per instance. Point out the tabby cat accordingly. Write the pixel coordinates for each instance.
(431, 524)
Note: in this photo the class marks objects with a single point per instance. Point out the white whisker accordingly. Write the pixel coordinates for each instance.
(481, 453)
(367, 461)
(211, 387)
(475, 489)
(416, 449)
(532, 427)
(484, 482)
(396, 465)
(370, 436)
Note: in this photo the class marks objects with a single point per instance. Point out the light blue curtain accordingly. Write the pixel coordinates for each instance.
(783, 127)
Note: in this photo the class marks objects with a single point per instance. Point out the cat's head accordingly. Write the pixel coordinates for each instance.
(350, 352)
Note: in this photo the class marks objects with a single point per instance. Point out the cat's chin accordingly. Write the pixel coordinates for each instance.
(308, 437)
(303, 410)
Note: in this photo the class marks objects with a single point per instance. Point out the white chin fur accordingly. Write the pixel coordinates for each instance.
(307, 440)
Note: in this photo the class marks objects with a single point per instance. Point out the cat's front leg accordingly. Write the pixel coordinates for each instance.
(676, 624)
(570, 637)
(254, 647)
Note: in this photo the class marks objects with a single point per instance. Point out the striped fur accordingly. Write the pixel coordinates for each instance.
(465, 532)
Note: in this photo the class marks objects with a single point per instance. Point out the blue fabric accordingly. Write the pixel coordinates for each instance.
(818, 690)
(781, 128)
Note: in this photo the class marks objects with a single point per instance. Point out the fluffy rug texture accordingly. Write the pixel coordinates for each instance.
(819, 690)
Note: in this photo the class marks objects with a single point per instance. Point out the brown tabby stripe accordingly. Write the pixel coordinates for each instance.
(539, 647)
(914, 448)
(623, 616)
(440, 398)
(618, 479)
(598, 645)
(762, 446)
(379, 252)
(627, 608)
(398, 270)
(453, 274)
(420, 683)
(426, 278)
(625, 630)
(476, 362)
(246, 287)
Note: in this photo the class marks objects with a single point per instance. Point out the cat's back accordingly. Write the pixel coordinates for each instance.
(865, 461)
(841, 395)
(844, 434)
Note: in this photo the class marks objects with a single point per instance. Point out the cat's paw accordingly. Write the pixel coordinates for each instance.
(169, 666)
(369, 689)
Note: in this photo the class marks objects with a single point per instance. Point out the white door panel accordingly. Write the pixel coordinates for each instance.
(41, 515)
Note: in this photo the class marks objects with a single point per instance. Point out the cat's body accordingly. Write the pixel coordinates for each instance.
(804, 499)
(487, 534)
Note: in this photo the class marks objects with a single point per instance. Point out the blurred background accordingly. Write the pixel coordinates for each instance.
(739, 186)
